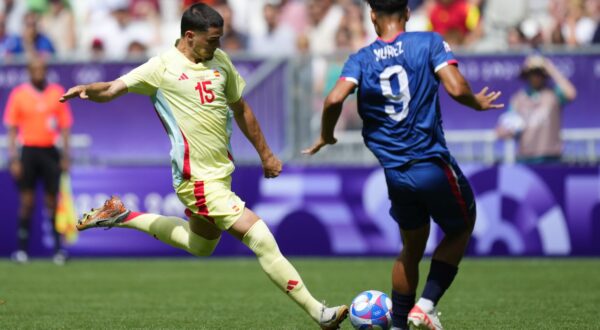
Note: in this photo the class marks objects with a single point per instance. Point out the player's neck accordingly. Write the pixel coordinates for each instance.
(39, 85)
(390, 29)
(188, 53)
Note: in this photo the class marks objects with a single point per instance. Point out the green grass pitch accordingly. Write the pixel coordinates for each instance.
(235, 294)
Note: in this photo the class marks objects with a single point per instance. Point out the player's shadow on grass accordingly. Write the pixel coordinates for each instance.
(300, 233)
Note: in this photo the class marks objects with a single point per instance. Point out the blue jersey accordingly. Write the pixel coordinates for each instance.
(398, 96)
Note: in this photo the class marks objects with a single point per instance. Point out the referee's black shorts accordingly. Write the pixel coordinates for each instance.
(40, 164)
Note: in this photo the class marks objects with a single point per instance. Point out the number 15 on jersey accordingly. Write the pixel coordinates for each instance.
(206, 95)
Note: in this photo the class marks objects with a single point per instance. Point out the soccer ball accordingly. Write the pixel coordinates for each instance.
(371, 310)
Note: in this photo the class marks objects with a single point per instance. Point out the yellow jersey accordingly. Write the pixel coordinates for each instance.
(192, 101)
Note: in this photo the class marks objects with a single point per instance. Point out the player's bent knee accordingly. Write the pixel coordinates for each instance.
(202, 247)
(261, 241)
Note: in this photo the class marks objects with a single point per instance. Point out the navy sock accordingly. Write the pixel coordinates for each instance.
(401, 306)
(23, 233)
(56, 235)
(439, 279)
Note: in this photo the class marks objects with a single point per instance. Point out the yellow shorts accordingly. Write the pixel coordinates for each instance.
(211, 200)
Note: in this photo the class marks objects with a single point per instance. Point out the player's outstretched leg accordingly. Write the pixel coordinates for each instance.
(171, 230)
(255, 234)
(405, 275)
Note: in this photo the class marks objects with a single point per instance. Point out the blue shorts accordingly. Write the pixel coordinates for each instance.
(432, 188)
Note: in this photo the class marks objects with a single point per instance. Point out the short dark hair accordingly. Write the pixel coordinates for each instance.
(388, 7)
(199, 17)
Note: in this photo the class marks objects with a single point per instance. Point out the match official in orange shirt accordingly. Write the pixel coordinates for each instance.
(35, 119)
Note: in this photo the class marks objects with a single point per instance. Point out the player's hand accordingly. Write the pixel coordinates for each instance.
(271, 166)
(73, 92)
(486, 100)
(318, 145)
(16, 169)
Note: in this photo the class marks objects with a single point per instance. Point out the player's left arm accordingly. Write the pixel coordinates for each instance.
(246, 121)
(332, 109)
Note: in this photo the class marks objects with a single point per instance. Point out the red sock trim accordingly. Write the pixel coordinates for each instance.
(132, 215)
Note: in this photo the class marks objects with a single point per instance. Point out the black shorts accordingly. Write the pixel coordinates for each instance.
(40, 163)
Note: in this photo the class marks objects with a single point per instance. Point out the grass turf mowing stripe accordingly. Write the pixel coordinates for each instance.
(235, 294)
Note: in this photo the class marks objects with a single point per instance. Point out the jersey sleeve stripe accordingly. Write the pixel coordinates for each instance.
(350, 79)
(445, 64)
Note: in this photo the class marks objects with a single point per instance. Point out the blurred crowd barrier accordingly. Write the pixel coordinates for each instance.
(340, 210)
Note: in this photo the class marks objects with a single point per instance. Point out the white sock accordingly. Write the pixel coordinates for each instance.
(426, 305)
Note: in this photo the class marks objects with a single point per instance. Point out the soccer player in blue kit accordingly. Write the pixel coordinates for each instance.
(398, 78)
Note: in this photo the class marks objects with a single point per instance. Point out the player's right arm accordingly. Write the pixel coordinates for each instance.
(145, 79)
(457, 87)
(97, 92)
(12, 119)
(332, 108)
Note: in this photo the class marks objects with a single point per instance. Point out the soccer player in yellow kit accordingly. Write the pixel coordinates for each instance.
(193, 86)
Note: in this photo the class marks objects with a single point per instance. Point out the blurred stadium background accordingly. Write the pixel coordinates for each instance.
(291, 52)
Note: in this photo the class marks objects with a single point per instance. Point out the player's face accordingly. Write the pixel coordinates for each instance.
(37, 72)
(205, 43)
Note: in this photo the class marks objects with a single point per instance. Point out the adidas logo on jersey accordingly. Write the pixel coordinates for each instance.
(291, 284)
(183, 77)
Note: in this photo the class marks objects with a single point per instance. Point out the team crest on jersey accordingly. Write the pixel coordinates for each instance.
(216, 72)
(447, 47)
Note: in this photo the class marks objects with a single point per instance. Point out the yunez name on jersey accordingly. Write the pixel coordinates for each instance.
(389, 51)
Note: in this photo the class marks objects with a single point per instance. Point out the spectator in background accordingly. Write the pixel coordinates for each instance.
(59, 24)
(118, 30)
(294, 13)
(415, 4)
(32, 42)
(144, 9)
(353, 22)
(419, 16)
(14, 11)
(279, 39)
(232, 41)
(3, 38)
(534, 116)
(212, 3)
(574, 27)
(499, 16)
(594, 10)
(136, 51)
(324, 19)
(97, 52)
(146, 12)
(455, 20)
(34, 114)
